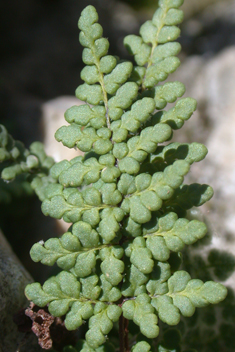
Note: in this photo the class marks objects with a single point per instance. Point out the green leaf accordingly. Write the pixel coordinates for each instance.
(109, 293)
(137, 75)
(92, 94)
(80, 311)
(134, 282)
(166, 310)
(142, 313)
(82, 346)
(56, 207)
(171, 3)
(142, 346)
(122, 100)
(110, 195)
(173, 17)
(190, 152)
(101, 323)
(213, 292)
(138, 147)
(117, 77)
(88, 237)
(91, 32)
(112, 267)
(174, 237)
(35, 292)
(135, 46)
(132, 120)
(187, 293)
(90, 74)
(85, 264)
(126, 184)
(168, 34)
(109, 224)
(107, 64)
(74, 206)
(153, 191)
(84, 115)
(164, 51)
(168, 93)
(87, 18)
(140, 256)
(60, 292)
(178, 281)
(64, 251)
(149, 32)
(187, 196)
(160, 71)
(85, 139)
(21, 160)
(80, 171)
(157, 284)
(176, 116)
(90, 289)
(40, 185)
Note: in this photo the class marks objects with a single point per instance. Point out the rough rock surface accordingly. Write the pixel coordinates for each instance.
(212, 83)
(13, 279)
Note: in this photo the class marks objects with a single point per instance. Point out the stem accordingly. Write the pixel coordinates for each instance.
(123, 334)
(105, 100)
(126, 323)
(101, 81)
(150, 60)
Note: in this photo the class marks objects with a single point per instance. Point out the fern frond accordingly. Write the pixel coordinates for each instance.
(125, 197)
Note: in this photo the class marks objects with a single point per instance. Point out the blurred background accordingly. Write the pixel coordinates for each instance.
(40, 64)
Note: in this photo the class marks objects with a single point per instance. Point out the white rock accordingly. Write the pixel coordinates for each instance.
(53, 118)
(212, 83)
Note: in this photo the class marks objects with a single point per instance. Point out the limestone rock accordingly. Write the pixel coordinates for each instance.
(13, 279)
(212, 83)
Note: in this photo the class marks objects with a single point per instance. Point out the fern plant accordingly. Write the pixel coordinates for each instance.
(125, 197)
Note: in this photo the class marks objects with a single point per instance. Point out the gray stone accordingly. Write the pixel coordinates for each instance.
(212, 83)
(193, 7)
(13, 279)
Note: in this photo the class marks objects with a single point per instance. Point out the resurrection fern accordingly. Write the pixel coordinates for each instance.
(125, 198)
